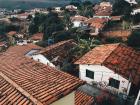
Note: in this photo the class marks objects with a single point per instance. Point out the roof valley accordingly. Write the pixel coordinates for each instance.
(34, 100)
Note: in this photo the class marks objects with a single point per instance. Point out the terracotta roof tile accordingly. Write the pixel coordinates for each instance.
(60, 49)
(37, 36)
(11, 33)
(78, 18)
(9, 95)
(128, 59)
(44, 83)
(82, 98)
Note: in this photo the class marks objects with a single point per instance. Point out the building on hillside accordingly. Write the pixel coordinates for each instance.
(25, 81)
(96, 25)
(56, 55)
(36, 37)
(132, 2)
(103, 10)
(71, 8)
(3, 46)
(135, 11)
(78, 21)
(11, 36)
(115, 67)
(121, 34)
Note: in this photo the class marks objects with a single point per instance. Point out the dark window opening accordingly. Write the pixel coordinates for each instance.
(114, 83)
(90, 74)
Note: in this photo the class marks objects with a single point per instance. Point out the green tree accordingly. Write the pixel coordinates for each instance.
(134, 39)
(122, 7)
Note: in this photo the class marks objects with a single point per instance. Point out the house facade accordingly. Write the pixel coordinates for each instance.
(103, 75)
(78, 21)
(113, 66)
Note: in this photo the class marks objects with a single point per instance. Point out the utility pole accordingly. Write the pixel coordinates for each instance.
(137, 99)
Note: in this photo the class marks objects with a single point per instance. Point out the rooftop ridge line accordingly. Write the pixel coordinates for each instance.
(34, 100)
(111, 52)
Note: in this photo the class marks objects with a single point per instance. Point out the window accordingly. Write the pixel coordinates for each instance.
(90, 74)
(114, 83)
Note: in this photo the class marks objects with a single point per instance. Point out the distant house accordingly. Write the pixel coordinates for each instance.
(122, 34)
(3, 46)
(135, 11)
(71, 8)
(113, 66)
(23, 16)
(103, 10)
(96, 25)
(55, 55)
(25, 81)
(132, 2)
(58, 9)
(11, 35)
(78, 21)
(36, 37)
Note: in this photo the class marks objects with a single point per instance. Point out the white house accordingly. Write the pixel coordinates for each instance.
(71, 7)
(112, 65)
(131, 1)
(135, 11)
(78, 20)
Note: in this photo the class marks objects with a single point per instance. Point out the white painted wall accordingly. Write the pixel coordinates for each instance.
(101, 73)
(77, 24)
(41, 58)
(136, 11)
(67, 100)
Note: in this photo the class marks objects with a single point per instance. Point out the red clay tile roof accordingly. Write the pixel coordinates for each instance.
(9, 95)
(11, 33)
(82, 98)
(116, 18)
(22, 50)
(43, 83)
(97, 55)
(128, 59)
(96, 22)
(37, 36)
(124, 34)
(60, 49)
(78, 18)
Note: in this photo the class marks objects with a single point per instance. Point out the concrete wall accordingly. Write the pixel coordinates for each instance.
(67, 100)
(42, 59)
(101, 73)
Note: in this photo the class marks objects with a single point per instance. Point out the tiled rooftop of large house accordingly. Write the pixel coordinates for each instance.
(39, 83)
(103, 9)
(115, 55)
(82, 98)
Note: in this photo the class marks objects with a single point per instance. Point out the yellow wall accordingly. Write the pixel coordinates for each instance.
(67, 100)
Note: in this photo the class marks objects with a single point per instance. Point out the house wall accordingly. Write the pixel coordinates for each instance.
(42, 59)
(67, 100)
(101, 73)
(76, 23)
